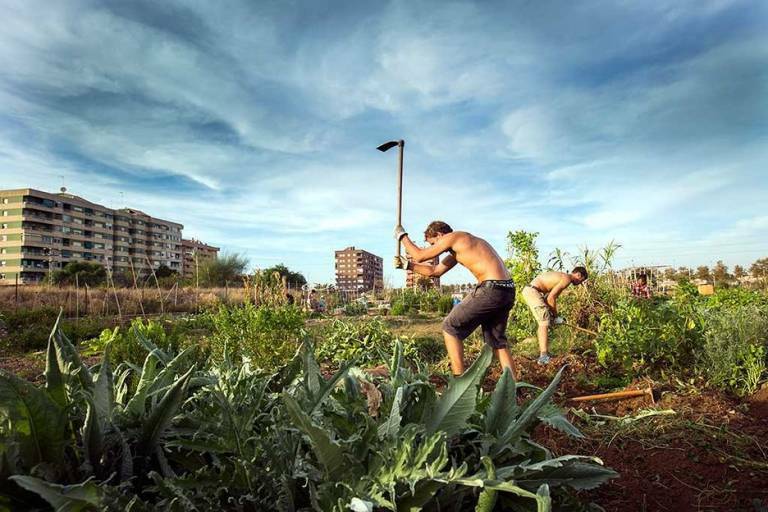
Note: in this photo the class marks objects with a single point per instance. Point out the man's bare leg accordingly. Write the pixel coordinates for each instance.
(543, 335)
(455, 349)
(505, 358)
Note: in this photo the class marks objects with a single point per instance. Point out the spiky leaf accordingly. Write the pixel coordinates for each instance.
(503, 409)
(453, 409)
(160, 417)
(36, 420)
(63, 498)
(328, 452)
(391, 426)
(54, 380)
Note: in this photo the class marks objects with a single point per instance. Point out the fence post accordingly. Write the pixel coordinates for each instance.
(17, 292)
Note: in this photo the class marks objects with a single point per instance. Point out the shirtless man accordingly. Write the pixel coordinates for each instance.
(488, 305)
(541, 296)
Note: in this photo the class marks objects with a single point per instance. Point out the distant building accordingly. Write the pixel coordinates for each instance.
(358, 270)
(195, 253)
(41, 232)
(414, 280)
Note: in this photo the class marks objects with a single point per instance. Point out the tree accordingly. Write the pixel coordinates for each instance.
(293, 279)
(80, 272)
(739, 272)
(164, 271)
(720, 272)
(759, 268)
(702, 272)
(228, 268)
(670, 274)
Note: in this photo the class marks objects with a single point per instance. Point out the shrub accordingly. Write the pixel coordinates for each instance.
(647, 336)
(355, 308)
(736, 348)
(28, 329)
(268, 335)
(369, 341)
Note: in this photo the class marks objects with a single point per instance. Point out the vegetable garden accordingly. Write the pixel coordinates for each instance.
(255, 406)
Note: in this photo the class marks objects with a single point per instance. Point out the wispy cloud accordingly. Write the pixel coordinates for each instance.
(255, 124)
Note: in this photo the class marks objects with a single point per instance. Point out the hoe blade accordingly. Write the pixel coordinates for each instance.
(387, 145)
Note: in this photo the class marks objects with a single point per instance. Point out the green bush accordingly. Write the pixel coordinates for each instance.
(28, 329)
(648, 336)
(444, 304)
(736, 348)
(355, 308)
(268, 335)
(368, 341)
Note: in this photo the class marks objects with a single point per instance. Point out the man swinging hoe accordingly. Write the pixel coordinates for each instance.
(487, 306)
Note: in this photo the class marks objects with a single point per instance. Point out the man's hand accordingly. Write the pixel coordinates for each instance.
(399, 232)
(402, 262)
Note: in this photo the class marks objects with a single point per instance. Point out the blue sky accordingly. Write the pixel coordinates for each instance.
(255, 123)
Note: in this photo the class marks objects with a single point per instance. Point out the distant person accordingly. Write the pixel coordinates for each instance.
(640, 288)
(312, 301)
(488, 305)
(541, 297)
(455, 300)
(289, 299)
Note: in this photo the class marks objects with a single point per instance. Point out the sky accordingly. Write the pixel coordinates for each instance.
(255, 123)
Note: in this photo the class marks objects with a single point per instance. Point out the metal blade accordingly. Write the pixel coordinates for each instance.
(387, 145)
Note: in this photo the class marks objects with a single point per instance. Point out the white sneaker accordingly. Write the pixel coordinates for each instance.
(543, 359)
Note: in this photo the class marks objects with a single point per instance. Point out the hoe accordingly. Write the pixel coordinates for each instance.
(385, 147)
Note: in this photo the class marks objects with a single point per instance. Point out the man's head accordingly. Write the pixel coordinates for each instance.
(578, 275)
(435, 230)
(642, 279)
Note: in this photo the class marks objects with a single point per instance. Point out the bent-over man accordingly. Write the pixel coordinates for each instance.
(541, 297)
(488, 305)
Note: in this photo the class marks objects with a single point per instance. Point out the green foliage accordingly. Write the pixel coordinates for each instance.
(523, 262)
(355, 308)
(223, 270)
(368, 342)
(267, 335)
(647, 335)
(293, 279)
(28, 329)
(234, 438)
(735, 352)
(81, 273)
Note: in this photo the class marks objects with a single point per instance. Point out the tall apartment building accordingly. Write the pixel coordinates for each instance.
(41, 232)
(412, 278)
(195, 253)
(358, 270)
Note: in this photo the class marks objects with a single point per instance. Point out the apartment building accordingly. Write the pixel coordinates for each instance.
(41, 232)
(414, 280)
(195, 253)
(358, 270)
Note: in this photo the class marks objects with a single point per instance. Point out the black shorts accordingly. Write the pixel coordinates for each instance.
(488, 305)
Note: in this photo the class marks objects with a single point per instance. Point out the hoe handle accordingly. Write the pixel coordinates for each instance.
(401, 144)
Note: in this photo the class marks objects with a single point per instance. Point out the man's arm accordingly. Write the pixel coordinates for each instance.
(435, 270)
(555, 292)
(418, 254)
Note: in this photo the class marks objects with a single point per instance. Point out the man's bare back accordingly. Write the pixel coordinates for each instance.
(548, 281)
(472, 252)
(478, 257)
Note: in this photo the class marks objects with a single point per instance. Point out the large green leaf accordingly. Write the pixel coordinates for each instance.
(325, 387)
(69, 360)
(328, 452)
(503, 409)
(162, 414)
(391, 426)
(103, 389)
(575, 471)
(487, 499)
(93, 436)
(64, 498)
(519, 426)
(54, 380)
(137, 403)
(453, 409)
(553, 416)
(36, 420)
